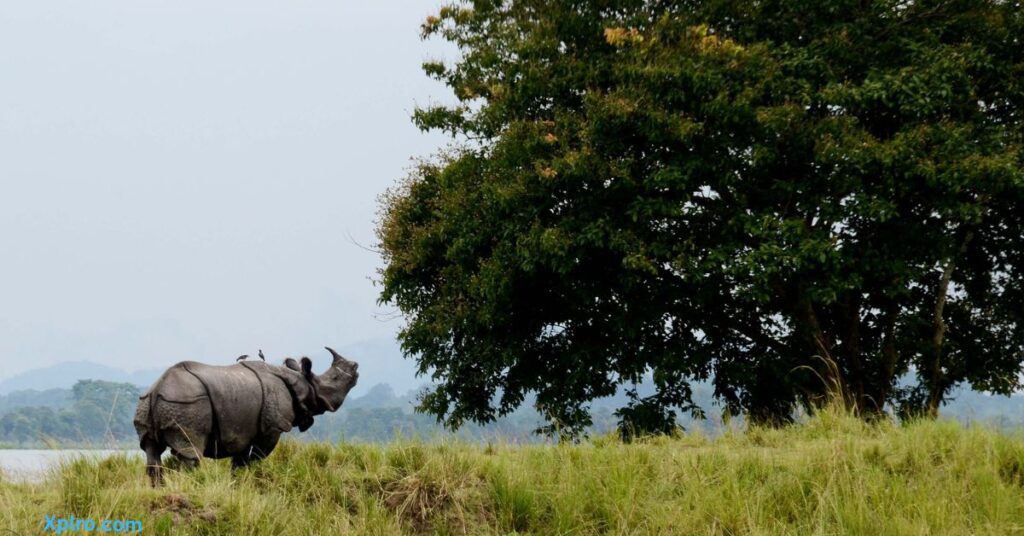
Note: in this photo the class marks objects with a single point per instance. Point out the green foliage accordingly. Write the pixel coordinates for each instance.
(786, 196)
(833, 475)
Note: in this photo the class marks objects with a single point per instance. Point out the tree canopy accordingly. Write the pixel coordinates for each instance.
(783, 196)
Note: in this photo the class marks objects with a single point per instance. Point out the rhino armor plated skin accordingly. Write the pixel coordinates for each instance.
(237, 411)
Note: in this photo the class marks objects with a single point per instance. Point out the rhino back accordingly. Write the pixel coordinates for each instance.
(237, 399)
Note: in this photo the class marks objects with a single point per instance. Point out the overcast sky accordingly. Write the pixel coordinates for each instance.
(180, 179)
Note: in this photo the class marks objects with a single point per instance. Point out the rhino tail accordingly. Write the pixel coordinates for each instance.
(145, 426)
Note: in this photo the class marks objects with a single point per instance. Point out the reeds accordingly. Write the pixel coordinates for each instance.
(831, 474)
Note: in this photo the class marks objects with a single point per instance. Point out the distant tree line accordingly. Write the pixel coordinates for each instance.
(99, 414)
(93, 412)
(52, 398)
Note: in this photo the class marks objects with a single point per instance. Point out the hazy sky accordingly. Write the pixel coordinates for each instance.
(179, 179)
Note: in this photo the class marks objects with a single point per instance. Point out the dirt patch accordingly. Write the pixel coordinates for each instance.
(181, 509)
(415, 500)
(174, 503)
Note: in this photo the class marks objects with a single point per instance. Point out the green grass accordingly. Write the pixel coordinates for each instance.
(830, 475)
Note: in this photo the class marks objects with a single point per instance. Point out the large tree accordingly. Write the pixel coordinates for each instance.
(787, 196)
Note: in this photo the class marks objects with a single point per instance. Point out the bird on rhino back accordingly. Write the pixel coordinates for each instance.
(237, 411)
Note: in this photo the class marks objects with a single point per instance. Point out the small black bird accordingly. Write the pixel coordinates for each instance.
(241, 357)
(261, 355)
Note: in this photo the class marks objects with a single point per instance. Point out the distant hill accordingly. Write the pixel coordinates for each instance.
(381, 396)
(380, 361)
(64, 375)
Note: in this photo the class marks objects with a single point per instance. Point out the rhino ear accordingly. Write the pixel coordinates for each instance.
(292, 364)
(307, 367)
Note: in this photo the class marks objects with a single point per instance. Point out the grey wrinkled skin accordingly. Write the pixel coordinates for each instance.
(237, 411)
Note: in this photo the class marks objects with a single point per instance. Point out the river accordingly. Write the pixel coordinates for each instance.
(32, 465)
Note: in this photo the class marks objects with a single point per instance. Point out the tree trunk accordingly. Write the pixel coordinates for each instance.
(829, 371)
(852, 352)
(890, 358)
(936, 380)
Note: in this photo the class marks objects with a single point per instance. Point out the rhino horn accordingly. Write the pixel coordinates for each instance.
(337, 356)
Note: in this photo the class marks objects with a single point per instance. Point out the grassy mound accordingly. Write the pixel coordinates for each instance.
(831, 475)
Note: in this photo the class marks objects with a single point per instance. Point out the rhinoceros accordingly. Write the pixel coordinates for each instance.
(237, 411)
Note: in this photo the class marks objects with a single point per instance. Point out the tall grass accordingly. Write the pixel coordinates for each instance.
(832, 474)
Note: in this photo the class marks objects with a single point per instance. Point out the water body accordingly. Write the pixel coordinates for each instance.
(31, 465)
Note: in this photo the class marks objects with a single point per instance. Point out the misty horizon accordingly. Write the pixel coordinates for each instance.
(188, 181)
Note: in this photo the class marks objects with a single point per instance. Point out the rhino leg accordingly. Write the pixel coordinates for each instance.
(153, 469)
(239, 461)
(261, 448)
(186, 447)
